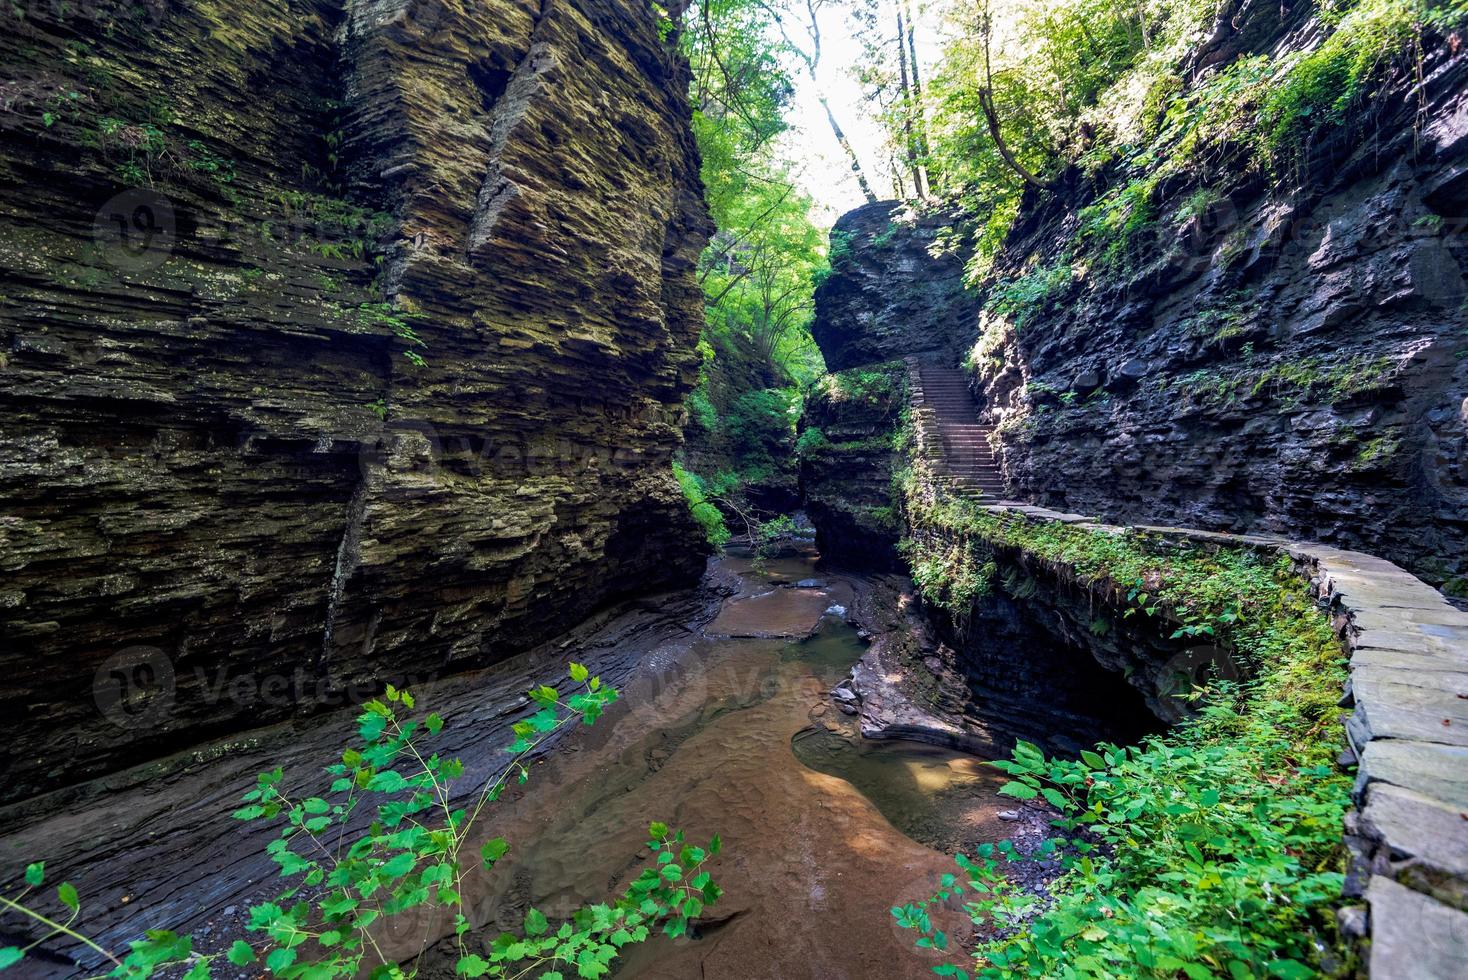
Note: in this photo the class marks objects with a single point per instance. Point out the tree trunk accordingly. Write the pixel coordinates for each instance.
(909, 136)
(861, 177)
(991, 114)
(920, 116)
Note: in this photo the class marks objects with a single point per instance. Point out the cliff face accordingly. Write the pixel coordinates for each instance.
(1287, 357)
(896, 287)
(849, 456)
(342, 341)
(1262, 354)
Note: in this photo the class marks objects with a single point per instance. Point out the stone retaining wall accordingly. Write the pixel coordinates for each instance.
(1407, 737)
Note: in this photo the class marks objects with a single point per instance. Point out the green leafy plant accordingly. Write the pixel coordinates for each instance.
(702, 507)
(811, 443)
(392, 836)
(1023, 298)
(400, 322)
(1211, 851)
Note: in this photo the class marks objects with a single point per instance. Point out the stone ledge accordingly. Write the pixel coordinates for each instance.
(1414, 937)
(1408, 649)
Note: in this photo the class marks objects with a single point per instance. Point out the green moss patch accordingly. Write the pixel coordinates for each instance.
(1212, 851)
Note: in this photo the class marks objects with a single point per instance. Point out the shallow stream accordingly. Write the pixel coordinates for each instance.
(735, 735)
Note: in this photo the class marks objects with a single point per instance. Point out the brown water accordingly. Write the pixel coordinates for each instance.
(822, 833)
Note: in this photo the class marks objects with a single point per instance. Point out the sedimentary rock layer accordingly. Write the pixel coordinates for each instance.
(341, 340)
(849, 457)
(896, 286)
(1282, 351)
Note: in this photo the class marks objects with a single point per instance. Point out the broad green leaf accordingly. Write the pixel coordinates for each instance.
(493, 850)
(35, 874)
(68, 896)
(279, 959)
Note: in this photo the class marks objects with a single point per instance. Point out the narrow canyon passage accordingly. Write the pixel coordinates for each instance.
(725, 726)
(816, 836)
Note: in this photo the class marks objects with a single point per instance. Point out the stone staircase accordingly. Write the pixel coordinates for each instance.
(951, 434)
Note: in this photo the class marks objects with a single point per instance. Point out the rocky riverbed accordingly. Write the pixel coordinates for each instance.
(726, 726)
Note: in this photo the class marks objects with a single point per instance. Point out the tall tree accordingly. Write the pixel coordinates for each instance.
(808, 14)
(911, 99)
(920, 119)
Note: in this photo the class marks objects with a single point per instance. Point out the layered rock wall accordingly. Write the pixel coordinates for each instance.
(896, 286)
(342, 340)
(849, 457)
(1285, 353)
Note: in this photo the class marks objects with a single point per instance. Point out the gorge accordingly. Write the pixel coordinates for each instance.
(1095, 512)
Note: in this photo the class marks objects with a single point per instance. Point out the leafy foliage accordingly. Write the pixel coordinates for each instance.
(759, 271)
(1102, 85)
(700, 504)
(391, 837)
(1213, 851)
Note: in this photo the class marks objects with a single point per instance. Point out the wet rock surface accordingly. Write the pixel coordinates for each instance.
(155, 846)
(224, 228)
(847, 477)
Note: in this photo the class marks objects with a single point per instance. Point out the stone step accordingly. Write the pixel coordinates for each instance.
(959, 445)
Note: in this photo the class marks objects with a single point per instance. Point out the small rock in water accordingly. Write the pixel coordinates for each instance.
(836, 611)
(810, 583)
(1010, 815)
(846, 698)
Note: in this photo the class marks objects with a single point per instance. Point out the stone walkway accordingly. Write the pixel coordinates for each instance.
(1407, 732)
(959, 444)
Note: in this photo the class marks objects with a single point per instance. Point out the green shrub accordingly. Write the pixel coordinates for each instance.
(702, 410)
(1027, 296)
(760, 425)
(869, 385)
(1212, 851)
(770, 533)
(341, 883)
(811, 442)
(708, 516)
(1322, 87)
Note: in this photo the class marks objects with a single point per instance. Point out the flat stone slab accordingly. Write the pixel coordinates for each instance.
(1425, 660)
(1414, 937)
(1430, 674)
(1418, 826)
(1425, 767)
(1451, 624)
(1388, 710)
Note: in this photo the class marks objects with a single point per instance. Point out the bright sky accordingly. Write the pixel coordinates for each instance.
(823, 168)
